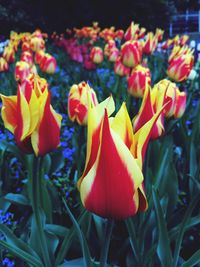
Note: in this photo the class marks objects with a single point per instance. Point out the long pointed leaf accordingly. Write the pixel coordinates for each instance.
(163, 249)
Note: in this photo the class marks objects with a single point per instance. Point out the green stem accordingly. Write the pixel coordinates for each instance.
(36, 189)
(106, 243)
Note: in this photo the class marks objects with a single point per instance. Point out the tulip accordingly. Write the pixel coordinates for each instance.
(169, 89)
(39, 56)
(141, 33)
(120, 69)
(3, 65)
(78, 102)
(48, 64)
(9, 54)
(153, 100)
(137, 81)
(150, 43)
(96, 55)
(183, 40)
(112, 182)
(22, 70)
(32, 120)
(159, 34)
(37, 43)
(131, 53)
(180, 67)
(131, 32)
(176, 40)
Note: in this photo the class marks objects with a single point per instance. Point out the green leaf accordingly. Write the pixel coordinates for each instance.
(33, 261)
(57, 162)
(182, 227)
(83, 242)
(163, 248)
(57, 229)
(174, 231)
(193, 260)
(68, 239)
(17, 199)
(132, 235)
(15, 242)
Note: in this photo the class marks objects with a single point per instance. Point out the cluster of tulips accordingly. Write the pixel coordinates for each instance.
(127, 50)
(32, 47)
(121, 121)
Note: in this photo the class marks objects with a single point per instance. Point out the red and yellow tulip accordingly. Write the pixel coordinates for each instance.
(153, 100)
(120, 69)
(3, 65)
(22, 70)
(131, 53)
(112, 182)
(150, 43)
(180, 67)
(78, 102)
(48, 64)
(33, 121)
(137, 81)
(96, 55)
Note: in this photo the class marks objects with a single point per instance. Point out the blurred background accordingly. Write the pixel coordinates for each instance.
(175, 16)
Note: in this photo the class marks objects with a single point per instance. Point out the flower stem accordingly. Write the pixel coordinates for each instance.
(38, 215)
(106, 243)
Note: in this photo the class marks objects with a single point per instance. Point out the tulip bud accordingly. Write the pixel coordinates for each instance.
(131, 54)
(78, 102)
(137, 81)
(96, 55)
